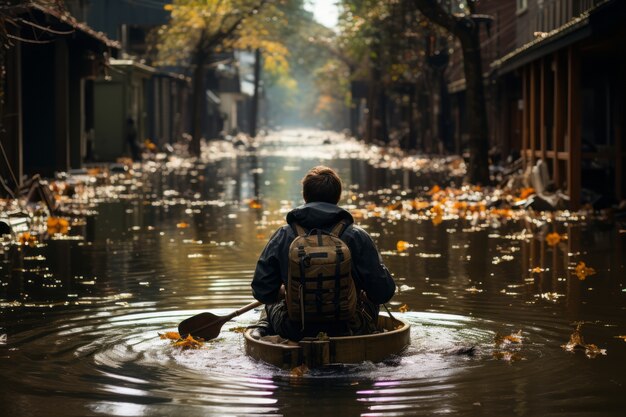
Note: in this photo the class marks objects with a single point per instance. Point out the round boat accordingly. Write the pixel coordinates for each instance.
(316, 353)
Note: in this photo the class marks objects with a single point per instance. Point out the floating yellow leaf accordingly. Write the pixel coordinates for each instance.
(434, 190)
(255, 204)
(576, 342)
(514, 337)
(402, 245)
(508, 339)
(149, 145)
(182, 225)
(553, 239)
(537, 270)
(238, 329)
(403, 308)
(57, 225)
(170, 335)
(583, 271)
(420, 205)
(526, 192)
(299, 371)
(189, 343)
(27, 238)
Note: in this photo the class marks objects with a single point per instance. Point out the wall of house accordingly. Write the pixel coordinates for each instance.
(39, 108)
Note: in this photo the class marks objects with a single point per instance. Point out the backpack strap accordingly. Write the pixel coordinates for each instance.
(297, 229)
(339, 228)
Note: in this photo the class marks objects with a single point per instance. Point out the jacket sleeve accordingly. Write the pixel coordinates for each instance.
(370, 272)
(267, 275)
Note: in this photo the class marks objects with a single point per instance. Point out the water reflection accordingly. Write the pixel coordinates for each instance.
(80, 318)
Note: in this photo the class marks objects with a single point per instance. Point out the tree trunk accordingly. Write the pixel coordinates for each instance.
(466, 29)
(197, 104)
(478, 171)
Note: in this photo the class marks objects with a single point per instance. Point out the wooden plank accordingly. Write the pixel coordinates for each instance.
(573, 127)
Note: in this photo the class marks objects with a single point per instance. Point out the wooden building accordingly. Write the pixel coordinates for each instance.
(155, 101)
(567, 85)
(48, 109)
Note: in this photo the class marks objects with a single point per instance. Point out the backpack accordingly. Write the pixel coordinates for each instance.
(320, 288)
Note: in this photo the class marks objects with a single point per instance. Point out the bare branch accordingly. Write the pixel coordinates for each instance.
(44, 28)
(18, 38)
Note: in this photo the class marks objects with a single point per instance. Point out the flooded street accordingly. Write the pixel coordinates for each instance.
(80, 314)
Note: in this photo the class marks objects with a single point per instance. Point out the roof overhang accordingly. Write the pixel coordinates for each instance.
(592, 22)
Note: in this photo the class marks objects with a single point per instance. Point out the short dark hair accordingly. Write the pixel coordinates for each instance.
(322, 184)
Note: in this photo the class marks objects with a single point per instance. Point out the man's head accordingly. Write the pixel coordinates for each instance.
(321, 184)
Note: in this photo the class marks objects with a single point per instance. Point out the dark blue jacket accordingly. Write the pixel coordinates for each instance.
(368, 270)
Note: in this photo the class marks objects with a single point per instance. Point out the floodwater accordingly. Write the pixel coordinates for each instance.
(80, 315)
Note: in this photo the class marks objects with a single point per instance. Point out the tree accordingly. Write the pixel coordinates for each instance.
(198, 30)
(383, 45)
(466, 27)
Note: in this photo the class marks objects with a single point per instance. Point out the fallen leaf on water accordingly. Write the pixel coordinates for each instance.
(508, 339)
(170, 335)
(526, 192)
(592, 351)
(537, 270)
(255, 204)
(403, 308)
(402, 245)
(434, 190)
(188, 343)
(553, 239)
(576, 341)
(238, 329)
(623, 337)
(57, 225)
(182, 225)
(299, 371)
(583, 271)
(27, 239)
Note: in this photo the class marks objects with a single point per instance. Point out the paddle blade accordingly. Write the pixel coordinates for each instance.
(206, 326)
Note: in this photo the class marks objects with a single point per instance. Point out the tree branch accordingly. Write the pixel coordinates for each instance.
(436, 14)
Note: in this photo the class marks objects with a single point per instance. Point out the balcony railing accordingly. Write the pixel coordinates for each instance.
(551, 14)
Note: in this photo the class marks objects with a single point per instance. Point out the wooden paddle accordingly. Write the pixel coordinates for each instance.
(207, 325)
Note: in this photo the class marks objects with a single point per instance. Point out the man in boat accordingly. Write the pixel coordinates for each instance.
(320, 215)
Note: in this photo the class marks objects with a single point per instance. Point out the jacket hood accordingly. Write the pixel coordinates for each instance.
(318, 214)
